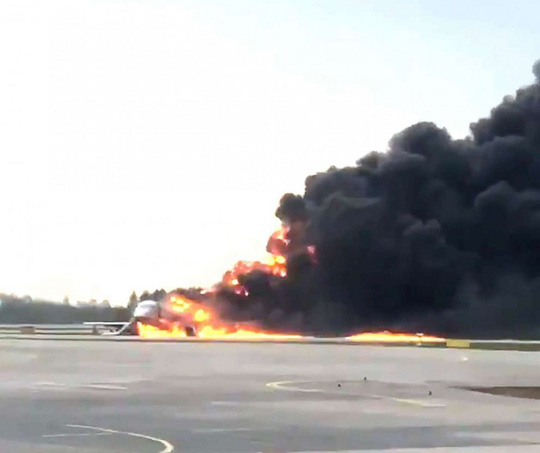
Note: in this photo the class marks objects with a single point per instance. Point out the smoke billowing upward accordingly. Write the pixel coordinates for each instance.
(435, 235)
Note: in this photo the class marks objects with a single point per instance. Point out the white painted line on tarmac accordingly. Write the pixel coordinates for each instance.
(168, 447)
(76, 435)
(80, 386)
(291, 386)
(104, 387)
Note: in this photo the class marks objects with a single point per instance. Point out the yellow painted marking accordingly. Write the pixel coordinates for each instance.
(168, 447)
(421, 403)
(458, 343)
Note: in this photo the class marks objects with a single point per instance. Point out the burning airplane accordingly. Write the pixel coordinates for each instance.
(433, 235)
(198, 314)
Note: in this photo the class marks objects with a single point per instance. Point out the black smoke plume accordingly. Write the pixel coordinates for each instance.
(435, 235)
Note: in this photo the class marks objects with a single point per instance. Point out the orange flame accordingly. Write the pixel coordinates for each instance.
(211, 333)
(208, 324)
(148, 331)
(394, 337)
(205, 320)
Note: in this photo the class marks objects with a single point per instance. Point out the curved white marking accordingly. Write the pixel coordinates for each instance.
(289, 386)
(286, 385)
(77, 435)
(168, 446)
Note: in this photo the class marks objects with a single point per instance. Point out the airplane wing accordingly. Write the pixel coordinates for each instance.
(106, 323)
(111, 328)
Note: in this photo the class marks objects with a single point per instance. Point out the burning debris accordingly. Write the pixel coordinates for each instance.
(436, 235)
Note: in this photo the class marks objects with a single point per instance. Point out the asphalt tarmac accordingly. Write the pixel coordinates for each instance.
(96, 397)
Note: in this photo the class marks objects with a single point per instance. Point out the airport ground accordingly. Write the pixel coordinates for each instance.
(115, 396)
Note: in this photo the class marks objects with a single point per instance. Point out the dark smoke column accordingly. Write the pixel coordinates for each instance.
(435, 234)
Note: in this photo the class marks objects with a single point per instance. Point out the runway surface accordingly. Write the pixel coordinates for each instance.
(90, 397)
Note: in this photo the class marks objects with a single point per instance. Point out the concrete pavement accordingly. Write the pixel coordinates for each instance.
(69, 396)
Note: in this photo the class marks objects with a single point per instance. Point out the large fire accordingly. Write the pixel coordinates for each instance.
(209, 325)
(208, 332)
(274, 262)
(206, 321)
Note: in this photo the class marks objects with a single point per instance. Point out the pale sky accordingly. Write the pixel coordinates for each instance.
(145, 144)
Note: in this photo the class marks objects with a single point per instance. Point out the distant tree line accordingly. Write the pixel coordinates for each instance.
(22, 310)
(157, 295)
(25, 310)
